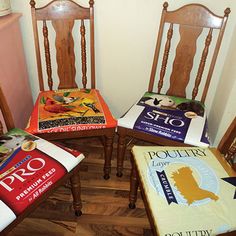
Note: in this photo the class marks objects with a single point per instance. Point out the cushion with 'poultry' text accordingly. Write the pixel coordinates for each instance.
(190, 190)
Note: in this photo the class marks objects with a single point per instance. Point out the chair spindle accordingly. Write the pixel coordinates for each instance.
(1, 128)
(165, 57)
(47, 55)
(83, 54)
(202, 64)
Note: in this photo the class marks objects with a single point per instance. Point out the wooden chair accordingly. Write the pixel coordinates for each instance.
(173, 201)
(164, 115)
(69, 112)
(30, 170)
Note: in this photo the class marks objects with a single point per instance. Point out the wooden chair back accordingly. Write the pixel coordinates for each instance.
(227, 145)
(6, 114)
(63, 14)
(193, 20)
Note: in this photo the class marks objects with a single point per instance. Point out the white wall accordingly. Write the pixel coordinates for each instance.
(125, 40)
(223, 109)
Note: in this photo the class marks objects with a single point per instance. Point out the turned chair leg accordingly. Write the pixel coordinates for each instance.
(133, 186)
(108, 153)
(120, 155)
(76, 193)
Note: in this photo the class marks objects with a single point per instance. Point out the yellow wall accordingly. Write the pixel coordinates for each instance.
(125, 40)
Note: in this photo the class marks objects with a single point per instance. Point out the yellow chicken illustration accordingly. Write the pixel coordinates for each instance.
(188, 186)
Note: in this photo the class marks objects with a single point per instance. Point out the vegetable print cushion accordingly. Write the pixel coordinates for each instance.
(70, 110)
(175, 118)
(29, 166)
(187, 189)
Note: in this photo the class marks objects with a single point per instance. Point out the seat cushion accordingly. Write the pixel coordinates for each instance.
(187, 189)
(70, 110)
(174, 118)
(29, 166)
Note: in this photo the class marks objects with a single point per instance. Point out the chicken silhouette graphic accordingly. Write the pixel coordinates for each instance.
(53, 107)
(188, 186)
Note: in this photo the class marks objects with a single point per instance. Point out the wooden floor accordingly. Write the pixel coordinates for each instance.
(105, 202)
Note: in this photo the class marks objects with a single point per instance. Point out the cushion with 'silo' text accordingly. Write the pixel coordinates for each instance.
(174, 118)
